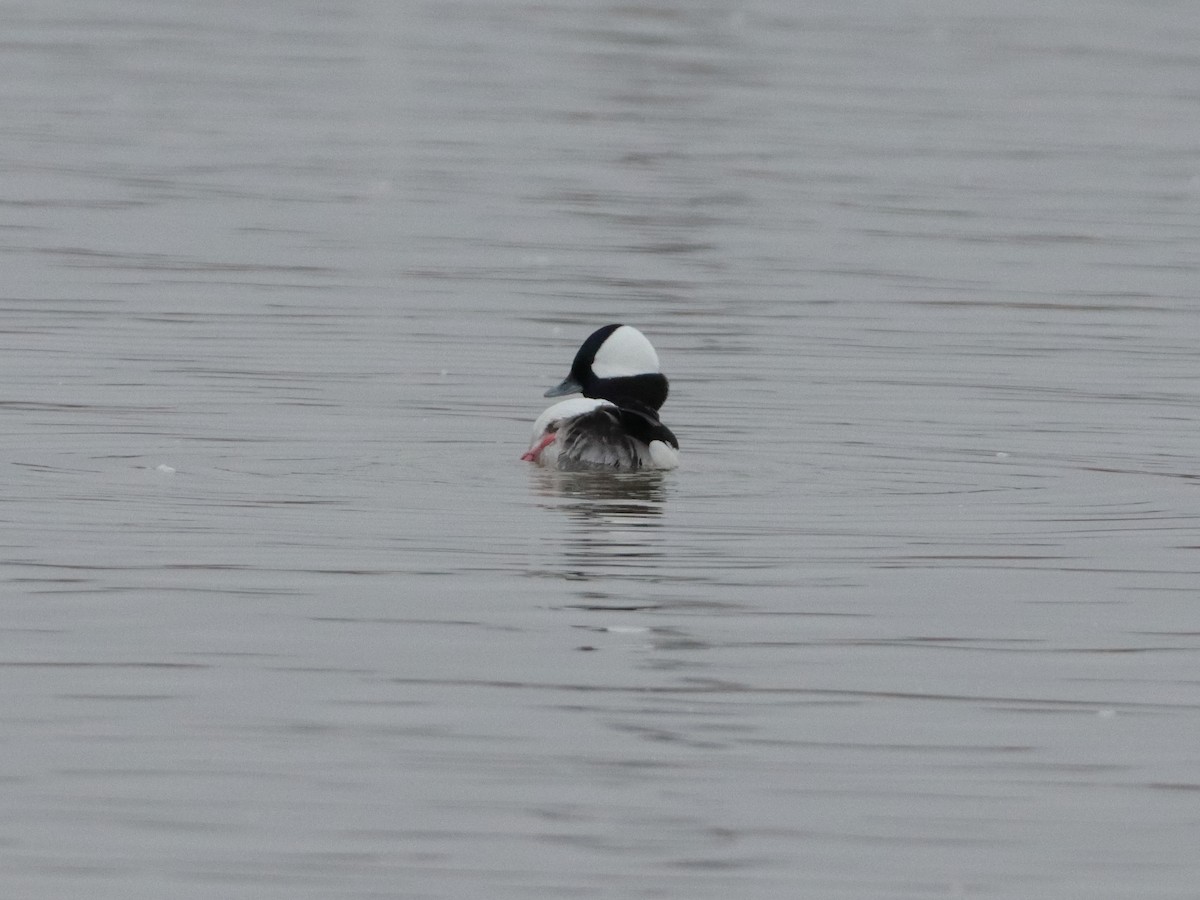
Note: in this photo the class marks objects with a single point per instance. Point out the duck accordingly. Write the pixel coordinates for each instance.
(615, 424)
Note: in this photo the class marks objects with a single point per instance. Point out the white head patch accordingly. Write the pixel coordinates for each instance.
(626, 352)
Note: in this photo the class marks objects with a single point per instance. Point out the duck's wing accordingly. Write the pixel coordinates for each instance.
(598, 438)
(642, 423)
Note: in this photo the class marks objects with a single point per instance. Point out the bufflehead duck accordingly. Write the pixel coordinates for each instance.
(615, 424)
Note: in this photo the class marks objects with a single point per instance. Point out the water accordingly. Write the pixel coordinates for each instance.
(285, 615)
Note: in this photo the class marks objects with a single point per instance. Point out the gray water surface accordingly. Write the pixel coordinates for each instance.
(286, 616)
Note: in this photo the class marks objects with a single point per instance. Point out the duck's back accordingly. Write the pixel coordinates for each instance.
(598, 438)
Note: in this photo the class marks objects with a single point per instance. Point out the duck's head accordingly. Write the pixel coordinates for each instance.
(616, 363)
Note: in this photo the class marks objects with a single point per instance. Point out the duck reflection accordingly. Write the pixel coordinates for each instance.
(622, 584)
(591, 493)
(613, 524)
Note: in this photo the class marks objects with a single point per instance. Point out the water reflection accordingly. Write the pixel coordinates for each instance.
(591, 493)
(612, 532)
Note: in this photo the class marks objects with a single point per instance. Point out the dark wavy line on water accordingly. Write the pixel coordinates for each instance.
(727, 688)
(67, 664)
